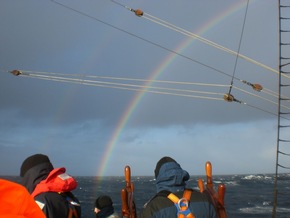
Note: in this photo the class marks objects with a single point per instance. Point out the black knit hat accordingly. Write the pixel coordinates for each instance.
(162, 161)
(103, 201)
(32, 161)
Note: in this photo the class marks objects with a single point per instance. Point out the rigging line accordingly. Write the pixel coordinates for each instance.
(187, 33)
(239, 48)
(190, 34)
(258, 108)
(257, 96)
(174, 27)
(145, 40)
(125, 78)
(82, 13)
(272, 93)
(265, 90)
(268, 112)
(125, 6)
(80, 81)
(82, 76)
(161, 81)
(149, 91)
(120, 4)
(132, 89)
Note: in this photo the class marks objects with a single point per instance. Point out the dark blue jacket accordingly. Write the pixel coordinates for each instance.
(173, 178)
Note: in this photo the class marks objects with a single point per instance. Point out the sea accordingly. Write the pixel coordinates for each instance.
(246, 195)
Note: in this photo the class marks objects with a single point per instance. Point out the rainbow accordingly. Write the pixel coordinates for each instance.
(155, 74)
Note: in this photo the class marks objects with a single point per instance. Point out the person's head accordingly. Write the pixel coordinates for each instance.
(34, 169)
(169, 175)
(104, 206)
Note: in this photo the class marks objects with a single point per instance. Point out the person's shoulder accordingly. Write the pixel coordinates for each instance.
(158, 202)
(12, 189)
(199, 196)
(9, 184)
(195, 196)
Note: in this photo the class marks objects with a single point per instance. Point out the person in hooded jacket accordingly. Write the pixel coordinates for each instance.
(104, 207)
(50, 187)
(171, 178)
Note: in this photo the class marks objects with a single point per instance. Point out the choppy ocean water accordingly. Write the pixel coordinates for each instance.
(247, 196)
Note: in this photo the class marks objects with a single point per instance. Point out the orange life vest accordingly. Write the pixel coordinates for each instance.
(181, 204)
(60, 182)
(56, 181)
(16, 202)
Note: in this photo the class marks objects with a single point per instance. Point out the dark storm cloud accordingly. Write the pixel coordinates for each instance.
(108, 40)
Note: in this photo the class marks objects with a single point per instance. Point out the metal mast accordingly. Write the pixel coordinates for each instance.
(283, 134)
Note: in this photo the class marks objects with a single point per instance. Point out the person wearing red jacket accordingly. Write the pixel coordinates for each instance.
(51, 187)
(16, 202)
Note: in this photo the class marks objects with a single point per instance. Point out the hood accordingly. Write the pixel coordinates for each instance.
(171, 177)
(35, 174)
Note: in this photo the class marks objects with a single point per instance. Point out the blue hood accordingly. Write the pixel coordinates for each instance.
(171, 177)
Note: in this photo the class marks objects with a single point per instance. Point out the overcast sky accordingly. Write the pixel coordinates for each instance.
(94, 130)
